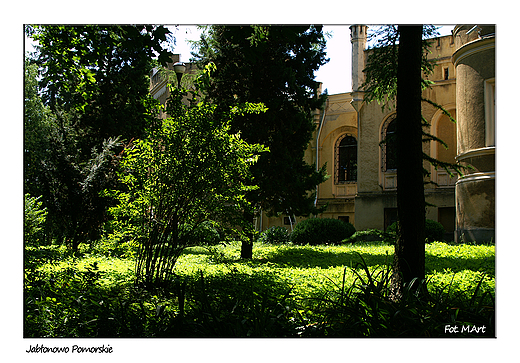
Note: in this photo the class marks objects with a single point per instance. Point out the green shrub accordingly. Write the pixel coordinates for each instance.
(275, 234)
(34, 220)
(434, 230)
(316, 231)
(371, 235)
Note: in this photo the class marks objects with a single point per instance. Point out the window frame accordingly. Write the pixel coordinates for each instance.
(489, 109)
(337, 158)
(384, 146)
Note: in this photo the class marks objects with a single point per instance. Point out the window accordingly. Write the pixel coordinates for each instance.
(389, 139)
(446, 73)
(489, 105)
(346, 159)
(344, 218)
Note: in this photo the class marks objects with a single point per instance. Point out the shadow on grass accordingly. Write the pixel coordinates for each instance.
(301, 258)
(298, 257)
(37, 256)
(235, 304)
(457, 264)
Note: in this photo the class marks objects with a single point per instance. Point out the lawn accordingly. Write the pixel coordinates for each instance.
(285, 290)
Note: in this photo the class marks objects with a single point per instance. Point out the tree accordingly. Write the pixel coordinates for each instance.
(394, 70)
(189, 172)
(381, 81)
(101, 73)
(94, 83)
(37, 125)
(273, 65)
(409, 250)
(382, 62)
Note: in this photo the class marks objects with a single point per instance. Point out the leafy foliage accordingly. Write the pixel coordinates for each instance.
(53, 169)
(372, 235)
(189, 173)
(381, 69)
(381, 81)
(102, 73)
(287, 290)
(275, 234)
(395, 71)
(34, 220)
(86, 90)
(366, 308)
(316, 231)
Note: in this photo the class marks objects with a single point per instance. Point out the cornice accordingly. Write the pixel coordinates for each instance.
(476, 152)
(472, 48)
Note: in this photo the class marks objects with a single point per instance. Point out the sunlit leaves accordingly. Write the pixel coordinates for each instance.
(191, 170)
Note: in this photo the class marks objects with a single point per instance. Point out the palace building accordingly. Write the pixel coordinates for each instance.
(362, 188)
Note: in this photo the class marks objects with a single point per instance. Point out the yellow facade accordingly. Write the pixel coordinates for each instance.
(369, 202)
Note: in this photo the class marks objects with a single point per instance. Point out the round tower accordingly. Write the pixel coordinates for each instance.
(474, 62)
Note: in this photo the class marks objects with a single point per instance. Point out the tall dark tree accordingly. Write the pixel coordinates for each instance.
(94, 81)
(394, 71)
(410, 250)
(273, 65)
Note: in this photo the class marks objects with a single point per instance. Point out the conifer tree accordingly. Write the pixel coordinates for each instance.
(409, 250)
(273, 65)
(394, 71)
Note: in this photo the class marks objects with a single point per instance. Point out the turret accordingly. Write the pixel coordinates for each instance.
(358, 38)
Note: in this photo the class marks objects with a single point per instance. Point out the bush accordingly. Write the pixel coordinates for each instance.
(316, 231)
(434, 230)
(34, 220)
(371, 235)
(275, 234)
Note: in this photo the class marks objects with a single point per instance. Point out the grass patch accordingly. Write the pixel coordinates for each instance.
(285, 290)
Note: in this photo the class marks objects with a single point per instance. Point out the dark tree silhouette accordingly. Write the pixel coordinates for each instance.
(410, 249)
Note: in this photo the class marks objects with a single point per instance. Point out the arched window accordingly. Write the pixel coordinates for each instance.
(389, 138)
(346, 159)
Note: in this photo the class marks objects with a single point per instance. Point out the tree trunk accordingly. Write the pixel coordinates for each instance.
(410, 250)
(246, 250)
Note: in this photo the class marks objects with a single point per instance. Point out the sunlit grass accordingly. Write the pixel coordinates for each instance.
(307, 269)
(114, 271)
(311, 269)
(295, 282)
